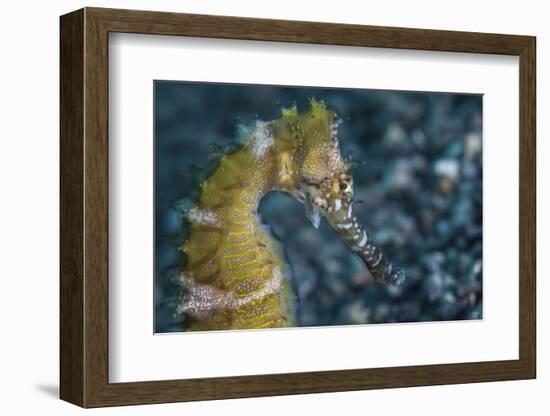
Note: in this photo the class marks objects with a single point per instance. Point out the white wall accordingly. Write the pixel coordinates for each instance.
(29, 208)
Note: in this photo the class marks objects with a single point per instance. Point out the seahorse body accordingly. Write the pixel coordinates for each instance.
(234, 275)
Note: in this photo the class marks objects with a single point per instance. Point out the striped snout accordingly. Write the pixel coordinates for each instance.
(359, 240)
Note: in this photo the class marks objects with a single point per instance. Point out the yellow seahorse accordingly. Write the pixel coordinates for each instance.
(234, 275)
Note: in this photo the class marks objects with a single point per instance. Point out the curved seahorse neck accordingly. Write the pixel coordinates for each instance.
(234, 272)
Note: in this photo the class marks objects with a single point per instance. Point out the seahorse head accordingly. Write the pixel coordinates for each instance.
(316, 174)
(311, 166)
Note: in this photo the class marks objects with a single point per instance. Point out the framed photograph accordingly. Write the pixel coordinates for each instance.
(256, 207)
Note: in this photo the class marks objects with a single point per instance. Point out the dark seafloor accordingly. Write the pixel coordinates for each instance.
(417, 179)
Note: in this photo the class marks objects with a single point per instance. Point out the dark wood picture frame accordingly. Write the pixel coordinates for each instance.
(84, 207)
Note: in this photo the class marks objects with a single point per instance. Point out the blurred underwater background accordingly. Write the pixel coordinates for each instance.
(417, 182)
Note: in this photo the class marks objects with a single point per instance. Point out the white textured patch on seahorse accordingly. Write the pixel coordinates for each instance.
(261, 139)
(202, 216)
(202, 301)
(337, 205)
(345, 226)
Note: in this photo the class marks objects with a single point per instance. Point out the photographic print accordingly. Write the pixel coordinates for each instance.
(289, 206)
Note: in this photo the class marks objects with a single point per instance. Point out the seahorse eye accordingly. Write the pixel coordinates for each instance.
(343, 186)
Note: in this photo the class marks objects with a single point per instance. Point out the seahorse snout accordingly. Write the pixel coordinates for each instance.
(358, 239)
